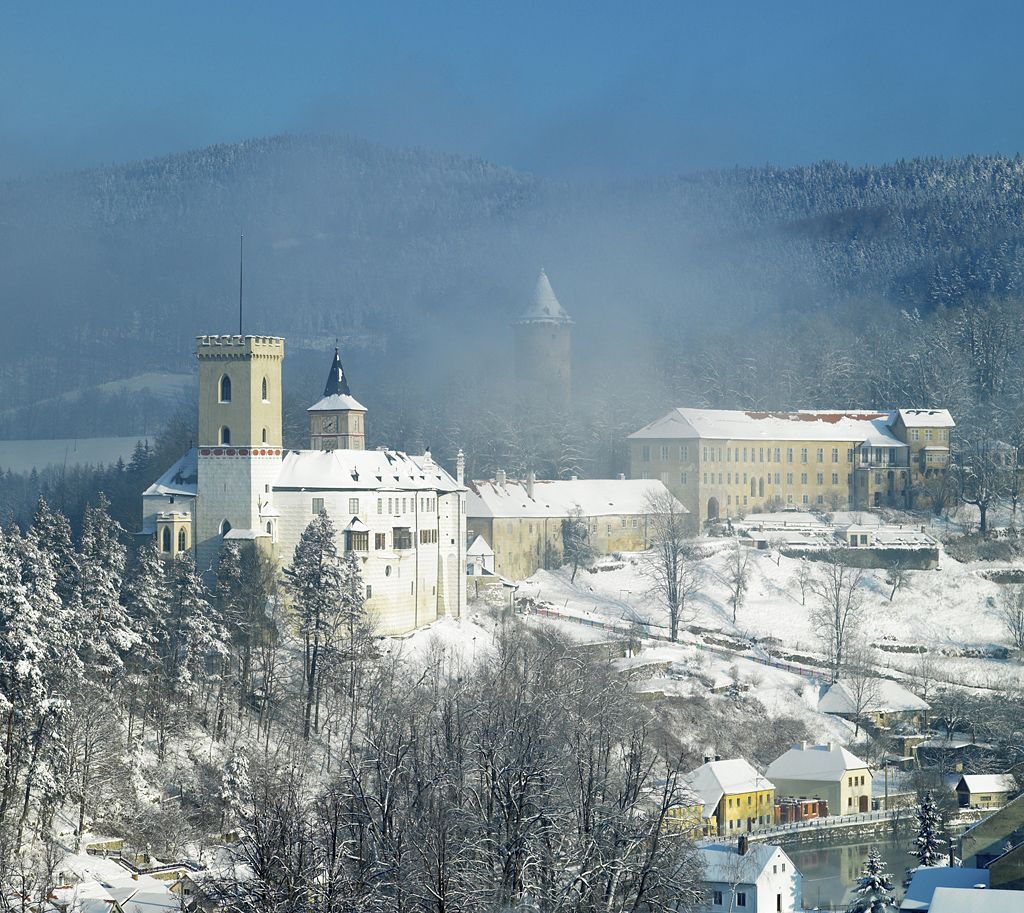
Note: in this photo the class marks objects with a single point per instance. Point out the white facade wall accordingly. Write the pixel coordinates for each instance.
(408, 587)
(233, 488)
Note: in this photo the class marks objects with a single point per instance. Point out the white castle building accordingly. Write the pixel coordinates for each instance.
(404, 516)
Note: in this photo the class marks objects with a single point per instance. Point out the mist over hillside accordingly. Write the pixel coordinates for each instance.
(419, 261)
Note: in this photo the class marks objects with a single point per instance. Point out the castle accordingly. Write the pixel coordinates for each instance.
(402, 515)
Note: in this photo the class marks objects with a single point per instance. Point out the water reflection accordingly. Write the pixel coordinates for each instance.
(831, 868)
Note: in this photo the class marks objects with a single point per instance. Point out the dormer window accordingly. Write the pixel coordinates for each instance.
(225, 389)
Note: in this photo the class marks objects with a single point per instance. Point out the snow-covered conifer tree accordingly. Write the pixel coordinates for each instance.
(928, 844)
(874, 890)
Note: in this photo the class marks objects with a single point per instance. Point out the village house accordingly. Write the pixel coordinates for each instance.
(522, 520)
(723, 463)
(827, 772)
(402, 515)
(880, 703)
(985, 790)
(735, 794)
(990, 838)
(759, 878)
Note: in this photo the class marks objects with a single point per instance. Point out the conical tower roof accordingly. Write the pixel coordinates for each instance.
(545, 305)
(337, 382)
(337, 396)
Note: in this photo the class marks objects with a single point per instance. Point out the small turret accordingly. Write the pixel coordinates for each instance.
(337, 421)
(544, 349)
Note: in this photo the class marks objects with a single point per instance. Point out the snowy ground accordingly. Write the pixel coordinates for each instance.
(949, 611)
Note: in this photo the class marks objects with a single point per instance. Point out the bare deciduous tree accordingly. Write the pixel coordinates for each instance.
(861, 681)
(1011, 613)
(673, 562)
(837, 613)
(576, 547)
(896, 576)
(738, 576)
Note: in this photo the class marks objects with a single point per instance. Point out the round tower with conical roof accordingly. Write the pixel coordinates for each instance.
(338, 420)
(543, 347)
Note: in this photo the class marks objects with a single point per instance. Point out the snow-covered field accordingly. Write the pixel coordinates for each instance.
(24, 456)
(948, 611)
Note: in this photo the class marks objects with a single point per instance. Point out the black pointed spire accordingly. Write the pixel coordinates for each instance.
(336, 380)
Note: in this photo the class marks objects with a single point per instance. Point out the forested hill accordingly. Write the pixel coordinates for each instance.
(111, 272)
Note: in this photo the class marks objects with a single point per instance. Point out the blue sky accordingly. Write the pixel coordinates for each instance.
(561, 88)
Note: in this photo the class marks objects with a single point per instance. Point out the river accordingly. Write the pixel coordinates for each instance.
(830, 868)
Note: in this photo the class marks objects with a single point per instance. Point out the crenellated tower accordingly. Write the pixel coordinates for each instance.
(240, 441)
(338, 420)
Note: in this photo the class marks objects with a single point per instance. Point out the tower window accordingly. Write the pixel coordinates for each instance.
(265, 398)
(225, 389)
(225, 434)
(182, 540)
(264, 430)
(165, 539)
(225, 527)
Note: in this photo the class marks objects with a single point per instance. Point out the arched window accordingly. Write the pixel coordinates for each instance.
(182, 540)
(225, 527)
(225, 389)
(760, 487)
(165, 539)
(266, 399)
(264, 435)
(270, 528)
(225, 435)
(753, 487)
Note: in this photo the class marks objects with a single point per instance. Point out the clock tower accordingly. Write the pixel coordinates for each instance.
(338, 420)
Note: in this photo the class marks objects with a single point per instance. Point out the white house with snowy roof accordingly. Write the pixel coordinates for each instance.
(879, 700)
(727, 463)
(828, 772)
(402, 515)
(521, 519)
(754, 877)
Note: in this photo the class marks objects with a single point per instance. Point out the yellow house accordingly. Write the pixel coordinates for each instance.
(727, 463)
(687, 818)
(521, 520)
(735, 795)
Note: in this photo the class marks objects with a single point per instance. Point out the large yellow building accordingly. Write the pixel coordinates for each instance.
(734, 794)
(723, 463)
(521, 519)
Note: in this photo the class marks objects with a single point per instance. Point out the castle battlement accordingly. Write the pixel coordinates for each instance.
(234, 346)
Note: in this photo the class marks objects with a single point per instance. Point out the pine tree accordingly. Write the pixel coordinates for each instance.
(316, 581)
(51, 531)
(927, 845)
(234, 789)
(192, 631)
(102, 558)
(874, 888)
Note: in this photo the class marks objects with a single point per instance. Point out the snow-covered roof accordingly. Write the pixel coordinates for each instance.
(595, 497)
(180, 479)
(975, 900)
(855, 426)
(361, 470)
(926, 418)
(988, 783)
(146, 895)
(544, 307)
(926, 879)
(337, 402)
(246, 535)
(715, 779)
(724, 864)
(885, 696)
(826, 763)
(356, 525)
(479, 549)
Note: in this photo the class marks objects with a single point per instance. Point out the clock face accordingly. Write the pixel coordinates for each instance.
(329, 424)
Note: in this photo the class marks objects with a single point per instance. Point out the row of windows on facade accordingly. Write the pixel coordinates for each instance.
(757, 484)
(396, 506)
(766, 454)
(225, 390)
(590, 523)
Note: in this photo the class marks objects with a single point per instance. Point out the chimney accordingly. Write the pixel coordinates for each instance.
(743, 845)
(460, 467)
(622, 477)
(830, 746)
(530, 479)
(718, 757)
(803, 745)
(707, 759)
(135, 876)
(574, 478)
(499, 477)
